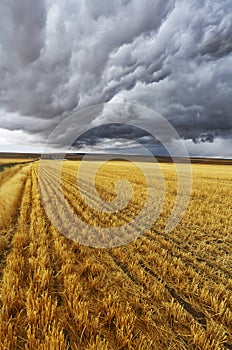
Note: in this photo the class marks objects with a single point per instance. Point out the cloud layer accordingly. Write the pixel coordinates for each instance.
(172, 56)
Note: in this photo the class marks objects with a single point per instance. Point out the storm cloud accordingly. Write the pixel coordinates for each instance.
(174, 56)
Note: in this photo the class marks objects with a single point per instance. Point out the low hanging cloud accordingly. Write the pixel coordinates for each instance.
(173, 56)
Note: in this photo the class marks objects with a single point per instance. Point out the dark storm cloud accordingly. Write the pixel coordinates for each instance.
(124, 139)
(117, 131)
(21, 30)
(173, 56)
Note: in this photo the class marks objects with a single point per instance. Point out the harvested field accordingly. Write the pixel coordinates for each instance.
(161, 291)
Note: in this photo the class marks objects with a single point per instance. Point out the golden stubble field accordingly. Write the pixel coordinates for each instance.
(161, 291)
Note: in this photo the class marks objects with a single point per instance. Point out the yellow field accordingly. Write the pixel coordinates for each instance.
(161, 291)
(13, 160)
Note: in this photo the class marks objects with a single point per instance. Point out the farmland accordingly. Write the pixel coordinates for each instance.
(161, 291)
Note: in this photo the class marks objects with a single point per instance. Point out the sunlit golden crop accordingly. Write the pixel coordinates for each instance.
(161, 291)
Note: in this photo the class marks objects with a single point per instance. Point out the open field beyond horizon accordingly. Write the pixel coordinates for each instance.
(161, 291)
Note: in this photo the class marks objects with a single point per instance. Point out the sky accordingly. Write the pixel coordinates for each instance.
(58, 57)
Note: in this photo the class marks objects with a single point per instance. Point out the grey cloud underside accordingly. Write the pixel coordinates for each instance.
(115, 131)
(173, 56)
(121, 137)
